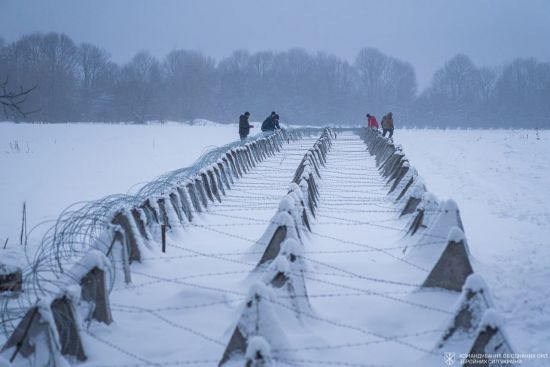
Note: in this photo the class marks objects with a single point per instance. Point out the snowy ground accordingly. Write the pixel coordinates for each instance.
(52, 166)
(500, 180)
(187, 301)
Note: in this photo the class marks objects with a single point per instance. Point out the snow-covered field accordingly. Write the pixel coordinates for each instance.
(182, 306)
(501, 182)
(51, 166)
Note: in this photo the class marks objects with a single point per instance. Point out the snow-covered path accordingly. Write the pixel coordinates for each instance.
(363, 291)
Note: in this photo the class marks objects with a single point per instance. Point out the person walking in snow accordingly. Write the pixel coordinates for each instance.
(387, 125)
(244, 125)
(372, 123)
(269, 123)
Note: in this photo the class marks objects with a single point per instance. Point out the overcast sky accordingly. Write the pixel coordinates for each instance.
(423, 32)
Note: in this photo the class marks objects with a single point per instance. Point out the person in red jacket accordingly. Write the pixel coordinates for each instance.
(372, 121)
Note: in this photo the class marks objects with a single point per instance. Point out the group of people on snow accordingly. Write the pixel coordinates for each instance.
(387, 123)
(271, 123)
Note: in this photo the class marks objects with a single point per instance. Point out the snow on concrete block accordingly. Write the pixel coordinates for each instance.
(286, 204)
(206, 185)
(490, 340)
(258, 353)
(35, 340)
(11, 278)
(94, 290)
(229, 173)
(281, 227)
(122, 219)
(223, 175)
(218, 179)
(150, 211)
(67, 326)
(185, 203)
(411, 206)
(140, 223)
(453, 267)
(257, 319)
(89, 273)
(426, 213)
(201, 193)
(470, 308)
(416, 189)
(194, 196)
(402, 171)
(286, 275)
(163, 210)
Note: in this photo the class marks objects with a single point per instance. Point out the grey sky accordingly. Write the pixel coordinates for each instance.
(423, 32)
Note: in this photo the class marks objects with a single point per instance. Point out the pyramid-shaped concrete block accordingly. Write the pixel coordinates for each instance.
(35, 340)
(257, 319)
(286, 275)
(474, 301)
(281, 227)
(491, 340)
(453, 266)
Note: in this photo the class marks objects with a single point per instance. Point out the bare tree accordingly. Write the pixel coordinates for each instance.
(12, 102)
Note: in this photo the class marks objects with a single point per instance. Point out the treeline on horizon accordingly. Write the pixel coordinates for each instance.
(81, 83)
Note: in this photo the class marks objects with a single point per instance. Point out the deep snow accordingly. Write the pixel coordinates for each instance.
(183, 305)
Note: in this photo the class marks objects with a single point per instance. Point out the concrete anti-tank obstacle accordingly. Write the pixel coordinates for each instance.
(234, 172)
(163, 210)
(415, 187)
(175, 202)
(238, 163)
(201, 193)
(286, 275)
(150, 212)
(11, 278)
(426, 210)
(402, 171)
(471, 306)
(453, 267)
(281, 227)
(67, 327)
(257, 319)
(194, 196)
(206, 185)
(214, 185)
(411, 206)
(258, 353)
(226, 179)
(140, 223)
(491, 340)
(35, 335)
(219, 180)
(185, 203)
(89, 274)
(131, 238)
(119, 238)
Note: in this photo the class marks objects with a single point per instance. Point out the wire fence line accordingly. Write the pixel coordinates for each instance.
(312, 177)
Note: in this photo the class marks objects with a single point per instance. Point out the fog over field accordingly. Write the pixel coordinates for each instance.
(467, 63)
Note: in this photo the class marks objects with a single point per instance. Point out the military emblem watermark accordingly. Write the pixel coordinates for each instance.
(449, 358)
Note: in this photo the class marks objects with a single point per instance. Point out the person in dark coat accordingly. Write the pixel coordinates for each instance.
(244, 125)
(269, 122)
(387, 125)
(276, 122)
